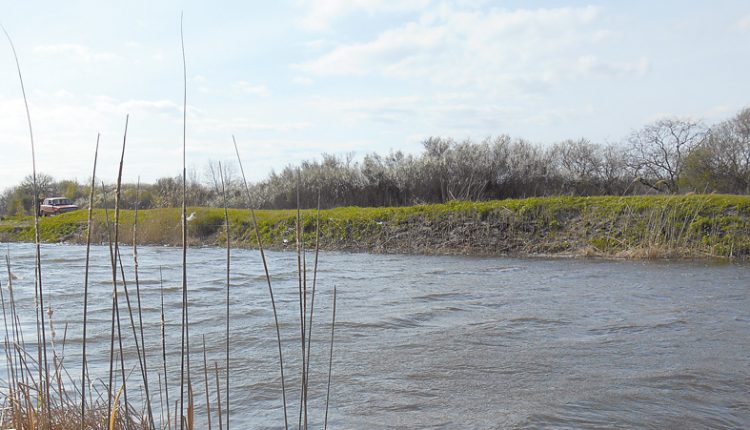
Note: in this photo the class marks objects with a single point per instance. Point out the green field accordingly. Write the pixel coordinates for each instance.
(631, 227)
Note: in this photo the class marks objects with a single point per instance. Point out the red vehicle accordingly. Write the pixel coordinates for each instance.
(56, 205)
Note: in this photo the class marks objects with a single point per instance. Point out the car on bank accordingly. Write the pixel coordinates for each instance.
(55, 206)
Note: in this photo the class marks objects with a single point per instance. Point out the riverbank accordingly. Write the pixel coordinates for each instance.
(692, 226)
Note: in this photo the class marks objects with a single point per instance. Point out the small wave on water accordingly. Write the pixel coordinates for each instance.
(447, 297)
(634, 410)
(634, 327)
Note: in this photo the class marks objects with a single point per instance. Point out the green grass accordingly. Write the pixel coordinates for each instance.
(632, 226)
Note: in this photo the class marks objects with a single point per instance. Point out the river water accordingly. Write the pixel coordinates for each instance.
(427, 341)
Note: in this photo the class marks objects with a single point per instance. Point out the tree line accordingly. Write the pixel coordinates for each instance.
(667, 156)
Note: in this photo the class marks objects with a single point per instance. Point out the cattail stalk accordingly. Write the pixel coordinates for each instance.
(114, 257)
(116, 244)
(115, 321)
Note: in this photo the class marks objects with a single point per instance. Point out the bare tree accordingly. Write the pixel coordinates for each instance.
(436, 162)
(722, 162)
(614, 170)
(658, 151)
(580, 159)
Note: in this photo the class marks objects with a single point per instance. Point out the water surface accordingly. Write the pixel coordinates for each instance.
(433, 342)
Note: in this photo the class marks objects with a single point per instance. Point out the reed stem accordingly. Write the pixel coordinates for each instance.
(37, 242)
(185, 337)
(302, 303)
(86, 286)
(205, 380)
(164, 351)
(227, 233)
(115, 260)
(115, 318)
(312, 298)
(330, 359)
(140, 313)
(218, 395)
(268, 280)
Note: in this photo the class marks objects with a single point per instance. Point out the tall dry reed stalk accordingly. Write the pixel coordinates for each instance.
(302, 307)
(218, 396)
(89, 217)
(142, 349)
(115, 315)
(312, 299)
(227, 233)
(114, 302)
(205, 384)
(185, 340)
(330, 359)
(41, 331)
(268, 280)
(164, 350)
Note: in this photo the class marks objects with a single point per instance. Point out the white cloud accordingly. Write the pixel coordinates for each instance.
(377, 109)
(248, 88)
(76, 52)
(318, 44)
(232, 125)
(451, 114)
(594, 65)
(147, 105)
(322, 13)
(283, 149)
(302, 80)
(63, 94)
(496, 50)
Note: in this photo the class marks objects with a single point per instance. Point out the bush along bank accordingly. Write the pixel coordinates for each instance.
(631, 227)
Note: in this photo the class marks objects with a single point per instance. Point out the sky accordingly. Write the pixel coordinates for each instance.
(294, 79)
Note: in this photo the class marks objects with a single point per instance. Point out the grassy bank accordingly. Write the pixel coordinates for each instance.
(634, 226)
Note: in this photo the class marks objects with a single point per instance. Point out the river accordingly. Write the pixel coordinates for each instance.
(428, 341)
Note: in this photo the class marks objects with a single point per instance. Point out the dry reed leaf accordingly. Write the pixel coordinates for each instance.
(113, 416)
